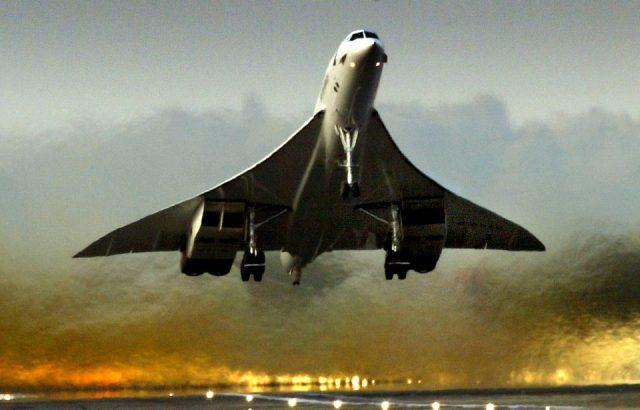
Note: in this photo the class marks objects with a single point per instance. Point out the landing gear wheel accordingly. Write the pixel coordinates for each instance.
(252, 265)
(344, 190)
(394, 264)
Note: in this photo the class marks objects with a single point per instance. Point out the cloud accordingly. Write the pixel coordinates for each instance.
(570, 315)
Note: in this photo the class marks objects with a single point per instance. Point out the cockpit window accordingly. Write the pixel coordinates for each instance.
(362, 34)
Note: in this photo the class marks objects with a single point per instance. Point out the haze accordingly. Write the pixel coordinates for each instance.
(110, 111)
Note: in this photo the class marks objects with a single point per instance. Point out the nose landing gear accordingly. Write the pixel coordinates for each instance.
(348, 138)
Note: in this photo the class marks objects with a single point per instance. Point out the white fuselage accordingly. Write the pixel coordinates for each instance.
(347, 96)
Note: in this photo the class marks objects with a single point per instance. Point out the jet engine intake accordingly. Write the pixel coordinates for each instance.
(420, 230)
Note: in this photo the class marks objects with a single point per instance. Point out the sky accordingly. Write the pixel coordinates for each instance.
(112, 110)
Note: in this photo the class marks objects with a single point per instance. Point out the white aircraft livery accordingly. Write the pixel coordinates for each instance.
(338, 183)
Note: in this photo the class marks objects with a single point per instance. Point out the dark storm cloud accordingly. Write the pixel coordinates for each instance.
(482, 318)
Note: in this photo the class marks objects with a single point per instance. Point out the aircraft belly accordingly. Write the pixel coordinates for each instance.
(319, 214)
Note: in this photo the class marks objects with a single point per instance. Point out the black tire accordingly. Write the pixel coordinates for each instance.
(256, 271)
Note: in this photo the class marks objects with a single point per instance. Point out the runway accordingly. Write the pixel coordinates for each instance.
(599, 398)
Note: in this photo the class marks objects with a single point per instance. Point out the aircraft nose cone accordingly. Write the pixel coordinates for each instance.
(369, 49)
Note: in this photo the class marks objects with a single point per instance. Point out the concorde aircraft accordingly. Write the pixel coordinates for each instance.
(338, 183)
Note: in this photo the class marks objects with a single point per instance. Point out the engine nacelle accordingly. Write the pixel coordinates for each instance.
(217, 233)
(423, 233)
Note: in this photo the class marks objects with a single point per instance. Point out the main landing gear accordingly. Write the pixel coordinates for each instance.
(252, 265)
(348, 137)
(253, 260)
(394, 263)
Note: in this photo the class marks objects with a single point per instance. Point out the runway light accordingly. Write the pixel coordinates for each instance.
(490, 406)
(547, 408)
(384, 405)
(337, 404)
(249, 398)
(435, 405)
(6, 397)
(409, 381)
(170, 394)
(210, 395)
(355, 383)
(365, 383)
(292, 402)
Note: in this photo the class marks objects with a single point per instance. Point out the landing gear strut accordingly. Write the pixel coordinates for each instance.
(348, 137)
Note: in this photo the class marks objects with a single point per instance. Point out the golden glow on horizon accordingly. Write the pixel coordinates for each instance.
(603, 358)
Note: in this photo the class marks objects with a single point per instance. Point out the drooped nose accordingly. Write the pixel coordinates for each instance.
(368, 51)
